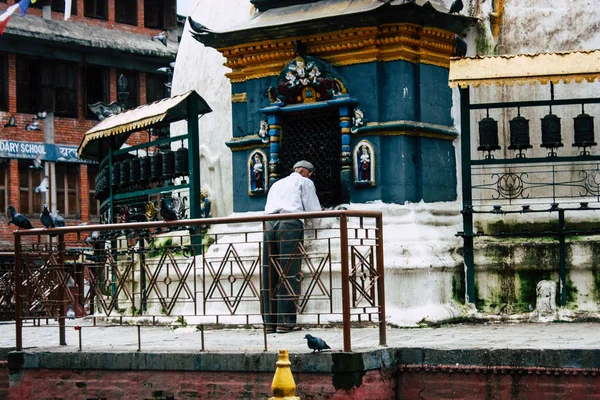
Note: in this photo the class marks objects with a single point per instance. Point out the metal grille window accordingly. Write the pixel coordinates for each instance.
(96, 87)
(160, 14)
(95, 9)
(93, 204)
(30, 202)
(126, 12)
(314, 136)
(67, 188)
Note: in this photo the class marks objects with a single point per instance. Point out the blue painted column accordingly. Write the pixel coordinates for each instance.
(346, 154)
(274, 143)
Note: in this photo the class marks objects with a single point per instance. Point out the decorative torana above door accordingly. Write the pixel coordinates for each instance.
(306, 80)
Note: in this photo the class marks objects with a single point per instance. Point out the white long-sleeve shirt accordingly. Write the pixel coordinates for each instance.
(292, 194)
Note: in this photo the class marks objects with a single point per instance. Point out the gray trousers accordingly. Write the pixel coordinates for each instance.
(281, 264)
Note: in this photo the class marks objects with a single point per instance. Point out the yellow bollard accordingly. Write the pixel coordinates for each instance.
(283, 386)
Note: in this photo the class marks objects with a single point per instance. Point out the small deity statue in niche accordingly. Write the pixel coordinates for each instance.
(258, 172)
(263, 132)
(358, 119)
(364, 164)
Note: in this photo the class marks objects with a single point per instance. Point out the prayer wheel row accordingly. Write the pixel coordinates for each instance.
(132, 172)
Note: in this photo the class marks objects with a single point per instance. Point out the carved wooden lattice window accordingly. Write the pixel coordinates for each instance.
(314, 136)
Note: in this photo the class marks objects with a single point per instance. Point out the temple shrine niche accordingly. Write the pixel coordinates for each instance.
(308, 73)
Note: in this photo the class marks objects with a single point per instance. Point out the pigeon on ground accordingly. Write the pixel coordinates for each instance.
(315, 343)
(456, 7)
(167, 211)
(58, 219)
(461, 46)
(46, 219)
(70, 312)
(43, 186)
(19, 220)
(161, 37)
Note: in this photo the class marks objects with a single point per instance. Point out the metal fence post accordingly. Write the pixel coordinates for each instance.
(61, 292)
(380, 282)
(18, 298)
(345, 281)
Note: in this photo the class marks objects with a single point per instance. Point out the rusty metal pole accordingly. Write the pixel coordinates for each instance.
(345, 281)
(61, 294)
(380, 282)
(18, 298)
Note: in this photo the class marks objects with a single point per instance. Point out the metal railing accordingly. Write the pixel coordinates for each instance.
(202, 272)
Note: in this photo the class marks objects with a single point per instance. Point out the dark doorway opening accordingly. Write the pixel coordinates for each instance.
(314, 136)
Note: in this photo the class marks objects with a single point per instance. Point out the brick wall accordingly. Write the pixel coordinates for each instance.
(114, 385)
(68, 131)
(406, 384)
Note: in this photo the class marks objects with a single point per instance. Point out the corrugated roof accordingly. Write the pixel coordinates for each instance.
(525, 68)
(120, 126)
(76, 33)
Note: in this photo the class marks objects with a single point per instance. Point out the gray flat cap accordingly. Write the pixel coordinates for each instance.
(304, 164)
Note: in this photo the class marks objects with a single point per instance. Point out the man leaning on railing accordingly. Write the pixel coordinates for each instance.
(281, 239)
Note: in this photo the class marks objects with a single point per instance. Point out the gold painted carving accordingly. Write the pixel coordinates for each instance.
(390, 42)
(239, 97)
(496, 17)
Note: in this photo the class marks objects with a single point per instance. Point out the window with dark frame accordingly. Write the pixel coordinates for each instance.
(96, 87)
(93, 204)
(155, 87)
(59, 6)
(3, 82)
(97, 9)
(30, 202)
(4, 174)
(133, 87)
(126, 12)
(47, 85)
(67, 189)
(160, 14)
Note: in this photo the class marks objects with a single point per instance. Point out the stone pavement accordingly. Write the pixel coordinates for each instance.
(489, 336)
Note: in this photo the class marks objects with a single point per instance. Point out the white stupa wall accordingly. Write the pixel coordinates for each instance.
(422, 253)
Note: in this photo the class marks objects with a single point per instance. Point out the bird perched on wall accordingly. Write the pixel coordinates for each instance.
(58, 219)
(34, 126)
(315, 343)
(19, 220)
(43, 186)
(11, 122)
(70, 312)
(197, 26)
(41, 115)
(46, 219)
(461, 46)
(161, 37)
(167, 210)
(456, 7)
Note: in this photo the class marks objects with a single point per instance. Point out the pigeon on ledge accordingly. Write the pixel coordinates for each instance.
(315, 343)
(167, 211)
(46, 219)
(70, 312)
(58, 219)
(456, 7)
(19, 220)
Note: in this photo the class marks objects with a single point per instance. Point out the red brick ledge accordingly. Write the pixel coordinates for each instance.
(503, 370)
